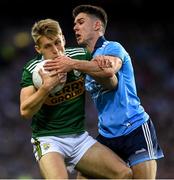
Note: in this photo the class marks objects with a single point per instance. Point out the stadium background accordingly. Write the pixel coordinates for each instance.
(144, 28)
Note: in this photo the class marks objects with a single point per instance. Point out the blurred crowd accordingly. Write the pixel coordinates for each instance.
(149, 45)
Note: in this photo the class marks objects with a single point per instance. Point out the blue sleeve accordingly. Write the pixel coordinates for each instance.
(115, 49)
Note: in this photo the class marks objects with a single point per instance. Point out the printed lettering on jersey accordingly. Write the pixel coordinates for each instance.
(70, 91)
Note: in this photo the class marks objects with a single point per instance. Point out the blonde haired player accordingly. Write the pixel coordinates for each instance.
(58, 133)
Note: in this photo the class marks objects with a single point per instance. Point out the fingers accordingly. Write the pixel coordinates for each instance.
(50, 65)
(60, 64)
(107, 63)
(103, 61)
(41, 72)
(53, 73)
(62, 77)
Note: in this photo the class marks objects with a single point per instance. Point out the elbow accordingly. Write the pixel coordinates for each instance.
(25, 115)
(109, 74)
(113, 83)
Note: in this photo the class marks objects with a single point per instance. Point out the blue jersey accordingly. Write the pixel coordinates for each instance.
(119, 110)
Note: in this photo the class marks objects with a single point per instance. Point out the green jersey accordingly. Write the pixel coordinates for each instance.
(63, 113)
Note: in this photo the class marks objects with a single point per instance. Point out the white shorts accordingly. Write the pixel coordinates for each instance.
(72, 147)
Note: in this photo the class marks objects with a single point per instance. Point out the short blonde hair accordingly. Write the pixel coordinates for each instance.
(46, 27)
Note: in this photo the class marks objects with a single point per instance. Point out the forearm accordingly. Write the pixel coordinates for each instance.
(32, 104)
(91, 68)
(104, 76)
(66, 64)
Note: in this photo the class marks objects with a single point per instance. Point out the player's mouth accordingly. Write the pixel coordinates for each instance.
(78, 37)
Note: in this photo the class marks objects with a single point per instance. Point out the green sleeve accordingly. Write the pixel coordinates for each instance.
(26, 79)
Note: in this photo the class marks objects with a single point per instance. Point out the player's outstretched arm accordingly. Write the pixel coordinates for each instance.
(102, 69)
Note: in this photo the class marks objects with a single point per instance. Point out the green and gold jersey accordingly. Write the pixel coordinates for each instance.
(63, 113)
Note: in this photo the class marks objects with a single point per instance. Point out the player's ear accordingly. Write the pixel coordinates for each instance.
(37, 49)
(97, 25)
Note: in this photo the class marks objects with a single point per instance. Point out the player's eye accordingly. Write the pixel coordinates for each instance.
(58, 42)
(81, 21)
(47, 46)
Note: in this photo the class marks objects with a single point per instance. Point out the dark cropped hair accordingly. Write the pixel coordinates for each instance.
(92, 10)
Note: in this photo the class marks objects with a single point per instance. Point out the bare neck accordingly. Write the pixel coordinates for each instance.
(92, 42)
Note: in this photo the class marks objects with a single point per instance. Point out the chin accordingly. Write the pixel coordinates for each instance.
(80, 42)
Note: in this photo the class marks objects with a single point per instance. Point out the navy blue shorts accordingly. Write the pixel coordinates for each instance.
(138, 146)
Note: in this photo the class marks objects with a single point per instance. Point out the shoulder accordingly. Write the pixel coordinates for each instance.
(71, 51)
(112, 44)
(31, 64)
(113, 48)
(77, 52)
